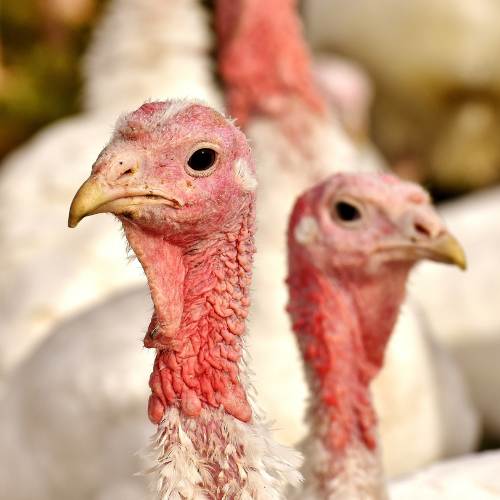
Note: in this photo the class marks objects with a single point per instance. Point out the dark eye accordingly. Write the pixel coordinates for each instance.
(202, 159)
(347, 212)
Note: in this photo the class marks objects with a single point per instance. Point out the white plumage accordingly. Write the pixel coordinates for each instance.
(421, 399)
(140, 49)
(465, 478)
(52, 274)
(464, 312)
(74, 413)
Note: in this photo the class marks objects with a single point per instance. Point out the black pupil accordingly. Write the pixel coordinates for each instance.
(347, 212)
(202, 159)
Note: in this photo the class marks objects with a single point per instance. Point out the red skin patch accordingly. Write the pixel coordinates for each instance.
(199, 342)
(331, 343)
(263, 59)
(343, 319)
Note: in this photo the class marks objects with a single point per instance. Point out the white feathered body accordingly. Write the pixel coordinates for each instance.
(52, 273)
(69, 432)
(140, 50)
(464, 478)
(463, 310)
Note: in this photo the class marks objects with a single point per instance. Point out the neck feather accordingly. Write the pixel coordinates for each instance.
(211, 440)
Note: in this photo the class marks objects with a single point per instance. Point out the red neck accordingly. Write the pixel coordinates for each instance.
(201, 298)
(263, 59)
(343, 323)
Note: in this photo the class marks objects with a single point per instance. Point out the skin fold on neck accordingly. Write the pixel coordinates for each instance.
(333, 317)
(201, 299)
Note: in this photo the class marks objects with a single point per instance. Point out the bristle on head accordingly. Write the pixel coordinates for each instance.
(151, 115)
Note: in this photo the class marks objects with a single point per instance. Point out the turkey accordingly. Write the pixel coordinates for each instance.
(66, 432)
(296, 143)
(352, 243)
(180, 178)
(141, 48)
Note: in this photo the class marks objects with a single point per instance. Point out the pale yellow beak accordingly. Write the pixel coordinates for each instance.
(91, 195)
(444, 249)
(98, 196)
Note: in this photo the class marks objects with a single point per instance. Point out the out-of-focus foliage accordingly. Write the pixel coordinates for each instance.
(41, 45)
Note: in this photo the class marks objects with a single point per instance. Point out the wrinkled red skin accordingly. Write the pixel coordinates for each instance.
(343, 319)
(263, 59)
(196, 252)
(196, 365)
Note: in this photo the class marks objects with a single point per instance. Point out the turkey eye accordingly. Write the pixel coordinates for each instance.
(202, 159)
(347, 212)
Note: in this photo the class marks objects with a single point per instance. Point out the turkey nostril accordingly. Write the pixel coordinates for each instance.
(124, 168)
(422, 230)
(125, 175)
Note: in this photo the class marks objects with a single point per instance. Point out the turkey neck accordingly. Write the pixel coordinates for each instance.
(263, 59)
(343, 322)
(200, 291)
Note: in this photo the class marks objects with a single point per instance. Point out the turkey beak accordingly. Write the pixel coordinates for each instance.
(423, 235)
(426, 237)
(115, 187)
(445, 248)
(92, 194)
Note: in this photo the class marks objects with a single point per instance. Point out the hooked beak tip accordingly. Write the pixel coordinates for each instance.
(73, 219)
(448, 250)
(88, 198)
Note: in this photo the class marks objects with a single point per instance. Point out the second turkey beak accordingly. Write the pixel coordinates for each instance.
(421, 234)
(445, 248)
(442, 247)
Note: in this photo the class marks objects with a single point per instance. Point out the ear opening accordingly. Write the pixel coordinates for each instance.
(245, 175)
(306, 230)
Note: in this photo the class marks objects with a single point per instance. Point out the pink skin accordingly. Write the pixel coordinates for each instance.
(194, 237)
(263, 59)
(347, 282)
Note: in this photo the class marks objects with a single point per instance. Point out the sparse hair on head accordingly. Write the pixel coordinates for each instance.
(130, 123)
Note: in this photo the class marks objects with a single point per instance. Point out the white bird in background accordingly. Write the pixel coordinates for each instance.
(92, 268)
(141, 48)
(465, 478)
(464, 312)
